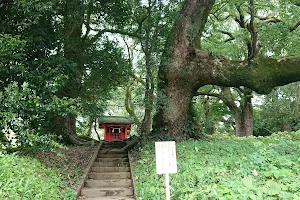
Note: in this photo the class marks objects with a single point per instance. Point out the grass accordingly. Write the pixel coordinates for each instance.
(226, 168)
(27, 178)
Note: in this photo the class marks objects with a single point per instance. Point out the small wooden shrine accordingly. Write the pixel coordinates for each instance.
(115, 127)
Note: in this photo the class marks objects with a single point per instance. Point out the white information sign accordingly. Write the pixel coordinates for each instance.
(165, 153)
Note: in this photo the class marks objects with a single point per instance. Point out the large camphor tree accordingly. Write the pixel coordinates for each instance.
(185, 67)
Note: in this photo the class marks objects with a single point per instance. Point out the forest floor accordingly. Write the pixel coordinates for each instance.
(71, 162)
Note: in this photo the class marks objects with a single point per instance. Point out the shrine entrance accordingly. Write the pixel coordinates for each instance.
(115, 127)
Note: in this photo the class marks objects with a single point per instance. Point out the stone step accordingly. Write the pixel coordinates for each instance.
(110, 169)
(116, 146)
(111, 175)
(108, 183)
(112, 151)
(112, 160)
(112, 155)
(110, 198)
(114, 191)
(113, 144)
(111, 164)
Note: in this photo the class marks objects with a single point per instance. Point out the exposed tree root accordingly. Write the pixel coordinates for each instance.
(130, 144)
(81, 140)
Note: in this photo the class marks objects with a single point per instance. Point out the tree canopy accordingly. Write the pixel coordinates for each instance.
(69, 53)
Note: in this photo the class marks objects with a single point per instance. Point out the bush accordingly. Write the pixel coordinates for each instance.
(24, 114)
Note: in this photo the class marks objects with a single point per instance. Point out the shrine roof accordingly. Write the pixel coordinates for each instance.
(115, 119)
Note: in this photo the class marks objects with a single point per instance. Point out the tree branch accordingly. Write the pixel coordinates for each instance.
(128, 106)
(295, 26)
(187, 30)
(241, 19)
(262, 75)
(276, 20)
(253, 32)
(268, 19)
(225, 96)
(101, 32)
(231, 37)
(87, 23)
(139, 79)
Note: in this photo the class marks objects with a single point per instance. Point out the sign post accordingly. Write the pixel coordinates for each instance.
(165, 153)
(168, 193)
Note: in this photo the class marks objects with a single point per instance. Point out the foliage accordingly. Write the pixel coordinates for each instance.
(209, 112)
(28, 94)
(225, 35)
(279, 111)
(39, 58)
(226, 168)
(23, 113)
(106, 70)
(27, 178)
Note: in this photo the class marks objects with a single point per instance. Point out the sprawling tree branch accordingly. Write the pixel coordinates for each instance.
(262, 75)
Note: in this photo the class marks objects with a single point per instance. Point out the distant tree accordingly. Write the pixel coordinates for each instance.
(209, 112)
(238, 101)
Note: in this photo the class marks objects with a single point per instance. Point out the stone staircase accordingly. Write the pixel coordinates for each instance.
(110, 176)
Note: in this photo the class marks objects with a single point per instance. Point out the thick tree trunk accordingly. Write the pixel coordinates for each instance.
(176, 81)
(173, 114)
(243, 114)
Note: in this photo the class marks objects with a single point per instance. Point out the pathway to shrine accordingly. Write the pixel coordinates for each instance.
(110, 176)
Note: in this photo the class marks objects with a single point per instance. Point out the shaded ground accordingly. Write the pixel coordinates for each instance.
(71, 163)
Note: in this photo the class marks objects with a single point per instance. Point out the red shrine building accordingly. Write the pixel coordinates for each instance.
(115, 127)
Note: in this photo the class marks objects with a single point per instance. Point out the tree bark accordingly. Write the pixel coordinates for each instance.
(243, 114)
(175, 77)
(184, 69)
(129, 107)
(73, 51)
(244, 121)
(148, 98)
(208, 124)
(148, 49)
(90, 124)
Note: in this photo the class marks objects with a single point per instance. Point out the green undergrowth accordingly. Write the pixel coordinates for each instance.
(28, 178)
(226, 168)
